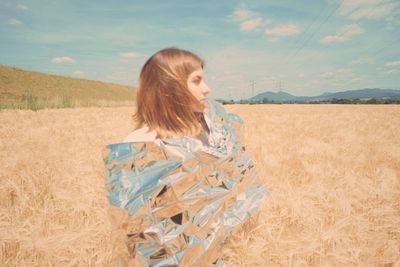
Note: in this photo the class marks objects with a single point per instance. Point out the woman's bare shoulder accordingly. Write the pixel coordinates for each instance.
(141, 135)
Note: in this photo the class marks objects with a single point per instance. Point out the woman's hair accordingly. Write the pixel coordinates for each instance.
(163, 101)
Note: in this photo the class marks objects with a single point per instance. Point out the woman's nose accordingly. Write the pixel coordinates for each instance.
(206, 89)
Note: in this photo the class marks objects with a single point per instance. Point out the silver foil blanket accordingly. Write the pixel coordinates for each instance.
(183, 196)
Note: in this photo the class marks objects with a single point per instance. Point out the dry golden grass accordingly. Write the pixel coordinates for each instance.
(22, 89)
(333, 171)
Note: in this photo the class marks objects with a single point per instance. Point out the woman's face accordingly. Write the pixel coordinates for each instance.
(197, 86)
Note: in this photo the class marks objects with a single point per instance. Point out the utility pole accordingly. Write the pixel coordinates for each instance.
(252, 88)
(279, 85)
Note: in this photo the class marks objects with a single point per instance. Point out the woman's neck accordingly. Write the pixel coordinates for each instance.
(201, 119)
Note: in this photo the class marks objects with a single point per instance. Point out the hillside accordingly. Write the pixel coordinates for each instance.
(275, 96)
(365, 93)
(376, 93)
(18, 86)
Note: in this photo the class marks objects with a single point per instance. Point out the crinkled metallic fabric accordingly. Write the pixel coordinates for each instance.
(183, 196)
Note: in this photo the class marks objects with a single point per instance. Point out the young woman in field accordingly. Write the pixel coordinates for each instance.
(171, 98)
(182, 181)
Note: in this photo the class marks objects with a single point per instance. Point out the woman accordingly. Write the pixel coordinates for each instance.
(181, 182)
(166, 94)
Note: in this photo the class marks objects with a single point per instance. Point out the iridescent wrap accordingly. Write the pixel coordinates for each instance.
(181, 196)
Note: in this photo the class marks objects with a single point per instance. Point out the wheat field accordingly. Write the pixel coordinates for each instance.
(333, 172)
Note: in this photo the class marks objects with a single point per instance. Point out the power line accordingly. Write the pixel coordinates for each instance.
(309, 27)
(326, 19)
(279, 85)
(383, 47)
(344, 32)
(252, 88)
(396, 41)
(359, 7)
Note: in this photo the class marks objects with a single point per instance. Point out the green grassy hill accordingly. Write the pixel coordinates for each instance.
(34, 90)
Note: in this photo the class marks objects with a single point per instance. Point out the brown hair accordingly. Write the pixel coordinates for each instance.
(163, 101)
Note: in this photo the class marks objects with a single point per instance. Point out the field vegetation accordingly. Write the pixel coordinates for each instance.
(333, 172)
(22, 89)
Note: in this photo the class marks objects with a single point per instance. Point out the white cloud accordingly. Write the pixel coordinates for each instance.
(78, 72)
(345, 71)
(392, 63)
(64, 59)
(332, 39)
(362, 61)
(249, 20)
(283, 31)
(368, 9)
(130, 55)
(327, 74)
(338, 74)
(338, 79)
(344, 34)
(22, 7)
(14, 22)
(355, 79)
(242, 13)
(242, 60)
(251, 24)
(392, 66)
(376, 12)
(349, 6)
(393, 20)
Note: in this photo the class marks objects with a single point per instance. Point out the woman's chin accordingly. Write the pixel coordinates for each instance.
(201, 108)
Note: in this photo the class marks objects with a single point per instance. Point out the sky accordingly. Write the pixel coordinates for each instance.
(303, 47)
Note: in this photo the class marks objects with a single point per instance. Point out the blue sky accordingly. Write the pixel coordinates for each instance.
(301, 47)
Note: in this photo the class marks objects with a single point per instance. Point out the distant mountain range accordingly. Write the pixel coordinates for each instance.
(361, 94)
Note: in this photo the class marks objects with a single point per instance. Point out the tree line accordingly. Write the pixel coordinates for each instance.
(331, 101)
